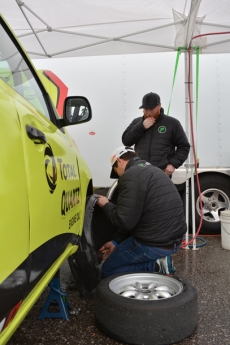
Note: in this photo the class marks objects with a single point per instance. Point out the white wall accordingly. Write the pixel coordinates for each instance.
(213, 139)
(115, 85)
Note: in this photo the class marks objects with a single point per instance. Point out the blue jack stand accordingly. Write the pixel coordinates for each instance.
(56, 298)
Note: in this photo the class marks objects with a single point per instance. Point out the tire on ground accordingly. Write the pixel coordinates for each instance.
(147, 322)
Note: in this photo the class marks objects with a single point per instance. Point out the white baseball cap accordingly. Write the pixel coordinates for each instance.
(117, 154)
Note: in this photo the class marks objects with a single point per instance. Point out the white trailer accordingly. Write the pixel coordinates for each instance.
(115, 86)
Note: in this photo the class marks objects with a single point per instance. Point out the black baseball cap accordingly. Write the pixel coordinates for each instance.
(150, 101)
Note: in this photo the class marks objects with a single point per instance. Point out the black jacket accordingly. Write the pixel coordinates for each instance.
(148, 207)
(163, 143)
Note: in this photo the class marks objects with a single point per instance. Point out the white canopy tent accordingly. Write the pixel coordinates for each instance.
(57, 28)
(74, 28)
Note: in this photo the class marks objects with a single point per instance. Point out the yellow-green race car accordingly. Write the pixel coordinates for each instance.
(44, 181)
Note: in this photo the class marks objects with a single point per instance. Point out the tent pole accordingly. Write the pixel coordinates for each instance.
(192, 153)
(190, 161)
(188, 136)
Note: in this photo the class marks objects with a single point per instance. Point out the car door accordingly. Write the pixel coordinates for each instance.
(53, 189)
(51, 167)
(14, 210)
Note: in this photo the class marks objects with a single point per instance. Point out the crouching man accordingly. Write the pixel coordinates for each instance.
(149, 213)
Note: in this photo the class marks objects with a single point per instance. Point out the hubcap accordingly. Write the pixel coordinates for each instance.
(213, 202)
(145, 286)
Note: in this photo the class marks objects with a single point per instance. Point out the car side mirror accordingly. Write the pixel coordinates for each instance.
(76, 110)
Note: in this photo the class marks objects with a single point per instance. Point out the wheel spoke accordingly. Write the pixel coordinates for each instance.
(215, 215)
(215, 195)
(205, 212)
(203, 198)
(223, 205)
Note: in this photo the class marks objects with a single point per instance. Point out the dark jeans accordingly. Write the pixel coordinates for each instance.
(131, 256)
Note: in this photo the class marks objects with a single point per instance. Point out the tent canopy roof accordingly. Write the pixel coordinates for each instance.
(58, 28)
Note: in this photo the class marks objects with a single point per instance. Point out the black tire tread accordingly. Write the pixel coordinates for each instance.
(146, 322)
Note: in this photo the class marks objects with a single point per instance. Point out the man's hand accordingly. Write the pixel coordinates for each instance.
(169, 170)
(148, 122)
(102, 200)
(107, 249)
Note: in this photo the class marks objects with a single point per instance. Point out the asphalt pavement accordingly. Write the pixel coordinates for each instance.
(207, 268)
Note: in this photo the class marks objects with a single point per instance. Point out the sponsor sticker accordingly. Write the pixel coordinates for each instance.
(162, 129)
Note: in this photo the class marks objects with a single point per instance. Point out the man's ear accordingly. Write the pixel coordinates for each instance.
(121, 162)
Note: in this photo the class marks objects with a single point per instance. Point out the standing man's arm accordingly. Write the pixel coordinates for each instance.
(133, 132)
(180, 141)
(169, 170)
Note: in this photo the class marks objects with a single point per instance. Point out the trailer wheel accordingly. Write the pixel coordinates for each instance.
(146, 308)
(215, 196)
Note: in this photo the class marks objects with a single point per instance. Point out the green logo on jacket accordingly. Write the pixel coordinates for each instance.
(162, 129)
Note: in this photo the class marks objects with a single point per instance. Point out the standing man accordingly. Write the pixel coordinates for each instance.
(158, 138)
(149, 213)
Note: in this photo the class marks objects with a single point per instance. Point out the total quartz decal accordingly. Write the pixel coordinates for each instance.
(55, 169)
(50, 169)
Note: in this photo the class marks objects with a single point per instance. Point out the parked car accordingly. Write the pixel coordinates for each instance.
(44, 182)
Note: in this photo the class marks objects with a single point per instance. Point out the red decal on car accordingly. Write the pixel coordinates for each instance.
(62, 90)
